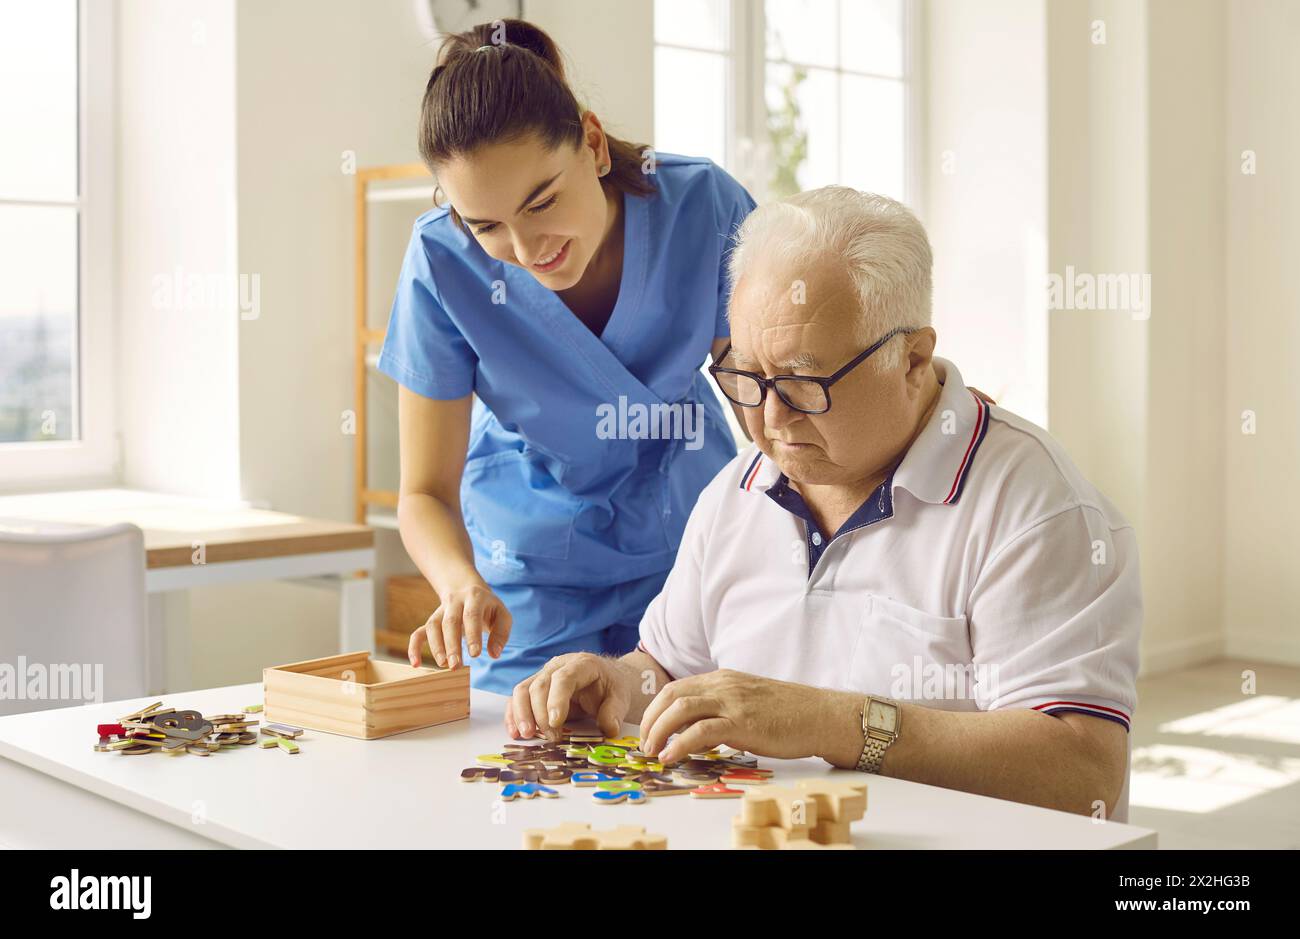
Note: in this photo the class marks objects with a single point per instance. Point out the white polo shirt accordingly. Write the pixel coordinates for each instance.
(985, 573)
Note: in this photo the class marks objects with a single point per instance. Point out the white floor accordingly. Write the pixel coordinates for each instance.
(1214, 765)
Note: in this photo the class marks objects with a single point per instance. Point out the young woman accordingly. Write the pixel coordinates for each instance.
(574, 285)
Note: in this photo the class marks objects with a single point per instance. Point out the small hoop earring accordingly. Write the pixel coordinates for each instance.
(604, 169)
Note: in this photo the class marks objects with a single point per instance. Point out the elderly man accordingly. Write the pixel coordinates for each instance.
(897, 577)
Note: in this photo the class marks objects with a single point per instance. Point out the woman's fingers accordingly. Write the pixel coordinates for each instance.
(451, 621)
(432, 632)
(501, 624)
(472, 620)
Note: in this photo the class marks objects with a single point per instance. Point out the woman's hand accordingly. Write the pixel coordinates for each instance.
(580, 683)
(470, 611)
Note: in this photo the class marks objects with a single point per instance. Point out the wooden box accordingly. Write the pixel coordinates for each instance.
(357, 696)
(409, 601)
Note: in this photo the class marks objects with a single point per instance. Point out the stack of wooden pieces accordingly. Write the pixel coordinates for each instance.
(813, 814)
(578, 836)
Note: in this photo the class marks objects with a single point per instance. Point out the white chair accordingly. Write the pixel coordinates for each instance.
(73, 609)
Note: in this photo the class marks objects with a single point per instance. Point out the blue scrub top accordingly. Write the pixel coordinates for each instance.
(586, 453)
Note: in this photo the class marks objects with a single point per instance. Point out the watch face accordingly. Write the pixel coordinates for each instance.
(882, 716)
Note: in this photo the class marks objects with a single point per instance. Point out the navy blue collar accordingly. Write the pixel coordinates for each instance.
(877, 507)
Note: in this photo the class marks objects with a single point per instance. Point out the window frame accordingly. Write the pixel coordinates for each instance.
(747, 110)
(93, 458)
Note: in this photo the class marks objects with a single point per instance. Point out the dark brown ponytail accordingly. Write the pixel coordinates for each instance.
(499, 94)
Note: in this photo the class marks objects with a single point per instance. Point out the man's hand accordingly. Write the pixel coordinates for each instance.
(759, 715)
(581, 683)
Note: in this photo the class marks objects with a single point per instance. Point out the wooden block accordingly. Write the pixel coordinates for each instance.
(287, 745)
(836, 800)
(269, 742)
(778, 805)
(356, 696)
(283, 730)
(253, 709)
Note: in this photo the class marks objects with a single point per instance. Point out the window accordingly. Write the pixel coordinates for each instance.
(39, 210)
(55, 410)
(790, 94)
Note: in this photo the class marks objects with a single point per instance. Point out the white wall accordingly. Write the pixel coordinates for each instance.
(1262, 334)
(985, 202)
(177, 366)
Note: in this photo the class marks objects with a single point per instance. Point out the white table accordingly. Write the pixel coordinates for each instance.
(405, 792)
(239, 544)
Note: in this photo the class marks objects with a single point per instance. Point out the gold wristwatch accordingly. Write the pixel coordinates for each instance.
(881, 719)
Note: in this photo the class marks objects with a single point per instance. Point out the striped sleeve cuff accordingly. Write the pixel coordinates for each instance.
(1074, 706)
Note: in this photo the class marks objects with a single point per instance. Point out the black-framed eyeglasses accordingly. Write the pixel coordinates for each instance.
(805, 393)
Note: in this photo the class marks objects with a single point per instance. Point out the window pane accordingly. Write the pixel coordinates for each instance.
(873, 132)
(871, 36)
(701, 24)
(802, 31)
(803, 127)
(38, 318)
(38, 99)
(690, 103)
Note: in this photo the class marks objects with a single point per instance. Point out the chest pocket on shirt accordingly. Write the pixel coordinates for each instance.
(892, 638)
(514, 509)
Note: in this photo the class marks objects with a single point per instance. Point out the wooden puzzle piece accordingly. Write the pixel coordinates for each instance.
(486, 759)
(828, 831)
(655, 790)
(592, 779)
(136, 715)
(716, 791)
(269, 742)
(627, 743)
(615, 797)
(570, 836)
(838, 801)
(287, 745)
(528, 790)
(778, 805)
(198, 750)
(555, 777)
(578, 836)
(184, 725)
(631, 838)
(765, 837)
(253, 709)
(607, 756)
(743, 777)
(136, 750)
(111, 730)
(282, 730)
